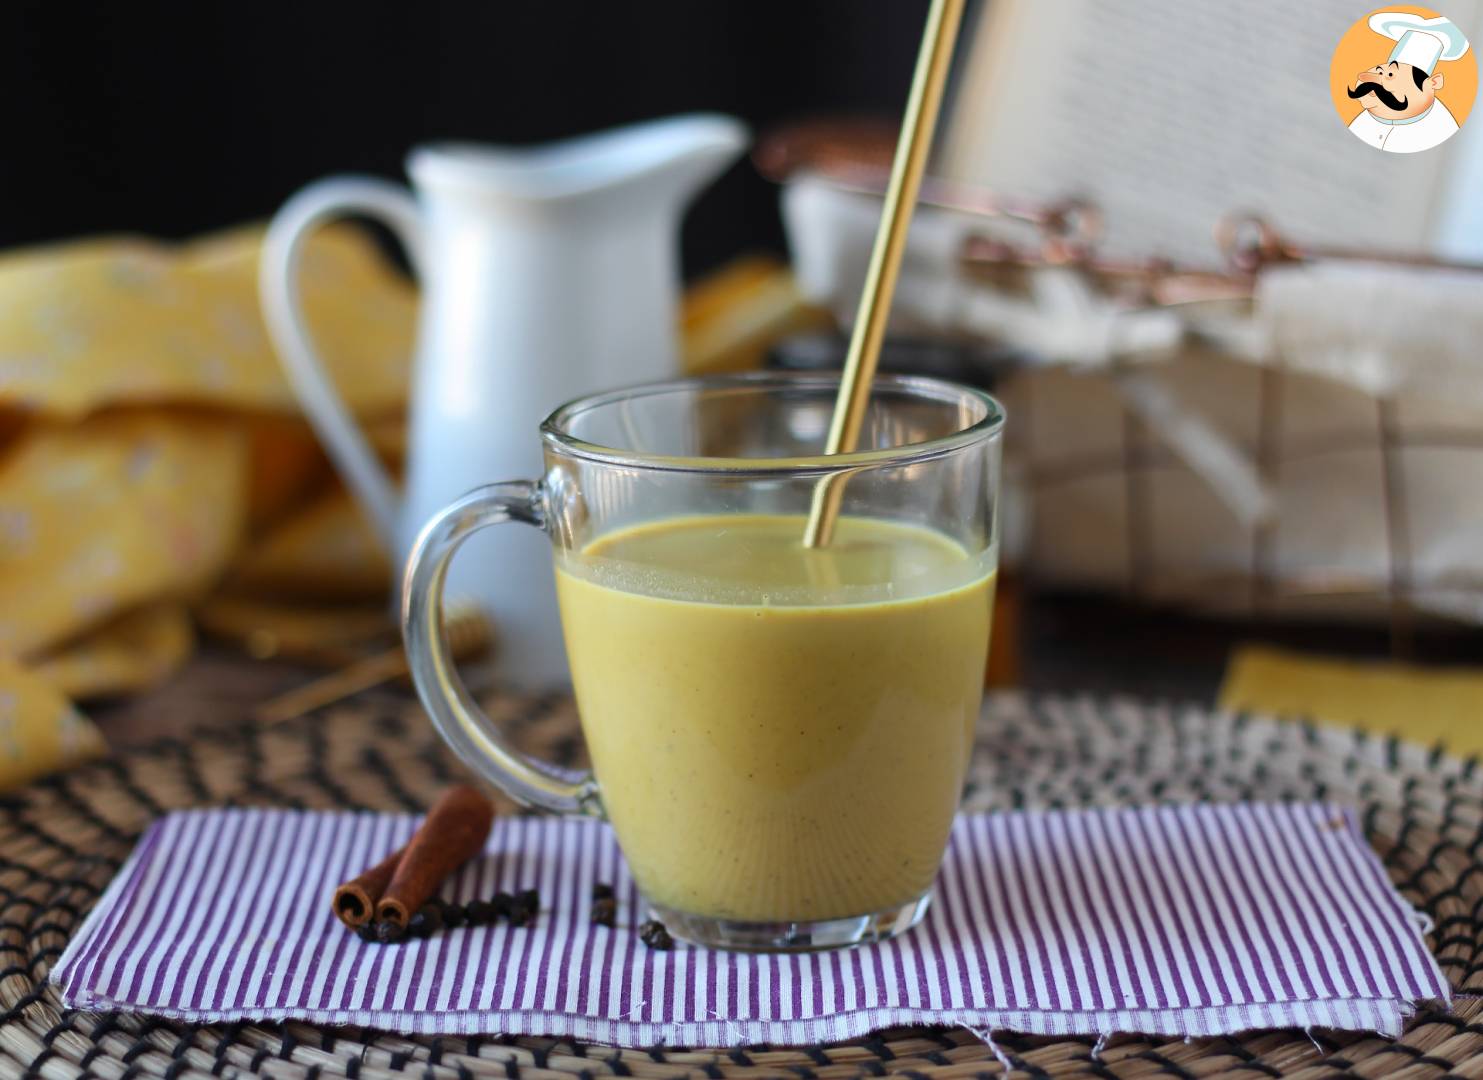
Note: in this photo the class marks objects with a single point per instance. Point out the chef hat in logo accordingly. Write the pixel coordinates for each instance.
(1420, 42)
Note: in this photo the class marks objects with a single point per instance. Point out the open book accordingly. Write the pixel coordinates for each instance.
(1169, 114)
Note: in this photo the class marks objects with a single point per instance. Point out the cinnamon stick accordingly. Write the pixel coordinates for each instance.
(355, 901)
(453, 833)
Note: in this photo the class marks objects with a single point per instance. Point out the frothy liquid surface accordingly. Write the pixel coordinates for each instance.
(780, 734)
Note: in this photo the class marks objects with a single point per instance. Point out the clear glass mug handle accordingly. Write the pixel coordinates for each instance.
(458, 718)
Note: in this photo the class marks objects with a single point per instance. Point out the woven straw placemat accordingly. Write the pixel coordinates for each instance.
(62, 840)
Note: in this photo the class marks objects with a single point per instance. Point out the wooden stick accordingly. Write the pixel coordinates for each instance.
(915, 140)
(469, 633)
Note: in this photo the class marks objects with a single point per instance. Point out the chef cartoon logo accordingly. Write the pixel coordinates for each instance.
(1404, 79)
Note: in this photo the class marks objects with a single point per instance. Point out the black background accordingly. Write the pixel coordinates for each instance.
(172, 119)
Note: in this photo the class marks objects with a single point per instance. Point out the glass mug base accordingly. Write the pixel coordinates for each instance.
(741, 935)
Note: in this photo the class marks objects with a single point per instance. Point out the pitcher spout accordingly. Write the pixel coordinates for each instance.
(675, 156)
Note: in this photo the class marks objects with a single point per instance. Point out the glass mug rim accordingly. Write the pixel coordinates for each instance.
(555, 429)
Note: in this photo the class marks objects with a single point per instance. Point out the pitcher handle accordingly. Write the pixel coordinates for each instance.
(458, 718)
(283, 311)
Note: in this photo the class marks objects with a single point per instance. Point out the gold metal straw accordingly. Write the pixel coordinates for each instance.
(912, 145)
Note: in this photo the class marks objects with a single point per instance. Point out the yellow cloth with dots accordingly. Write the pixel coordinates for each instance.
(151, 453)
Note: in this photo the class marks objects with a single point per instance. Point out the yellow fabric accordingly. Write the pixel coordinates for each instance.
(40, 730)
(326, 552)
(732, 317)
(125, 321)
(129, 654)
(1425, 705)
(151, 450)
(110, 512)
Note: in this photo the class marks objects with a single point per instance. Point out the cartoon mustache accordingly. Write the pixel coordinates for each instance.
(1389, 100)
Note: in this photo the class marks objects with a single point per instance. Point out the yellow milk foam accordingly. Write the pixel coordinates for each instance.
(780, 734)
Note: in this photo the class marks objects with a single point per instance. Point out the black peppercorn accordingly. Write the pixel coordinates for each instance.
(604, 911)
(367, 932)
(481, 912)
(388, 932)
(426, 921)
(601, 891)
(503, 903)
(654, 935)
(524, 906)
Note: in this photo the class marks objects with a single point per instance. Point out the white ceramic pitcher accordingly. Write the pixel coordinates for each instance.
(546, 273)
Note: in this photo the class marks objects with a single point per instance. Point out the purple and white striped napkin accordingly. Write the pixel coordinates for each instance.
(1202, 919)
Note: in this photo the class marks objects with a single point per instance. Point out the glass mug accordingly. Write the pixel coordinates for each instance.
(779, 734)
